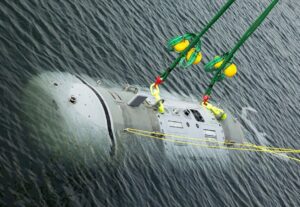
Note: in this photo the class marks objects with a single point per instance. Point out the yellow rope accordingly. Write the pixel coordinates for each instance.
(143, 133)
(246, 146)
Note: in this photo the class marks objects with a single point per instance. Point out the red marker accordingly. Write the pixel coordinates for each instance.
(158, 81)
(205, 99)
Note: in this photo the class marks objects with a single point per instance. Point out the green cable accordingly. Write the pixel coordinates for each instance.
(166, 73)
(243, 39)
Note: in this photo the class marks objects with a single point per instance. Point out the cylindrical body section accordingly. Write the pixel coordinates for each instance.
(75, 117)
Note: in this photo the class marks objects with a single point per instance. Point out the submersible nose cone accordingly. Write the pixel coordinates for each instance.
(66, 117)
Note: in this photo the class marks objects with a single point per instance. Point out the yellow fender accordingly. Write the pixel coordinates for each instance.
(219, 113)
(155, 92)
(181, 46)
(198, 57)
(231, 70)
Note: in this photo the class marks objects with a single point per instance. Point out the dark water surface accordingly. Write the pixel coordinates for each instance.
(123, 42)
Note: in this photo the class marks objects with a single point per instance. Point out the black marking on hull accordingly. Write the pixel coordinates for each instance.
(109, 125)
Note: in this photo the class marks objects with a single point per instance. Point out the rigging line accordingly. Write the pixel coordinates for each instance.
(265, 150)
(246, 144)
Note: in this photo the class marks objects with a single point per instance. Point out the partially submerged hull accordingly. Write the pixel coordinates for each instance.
(76, 116)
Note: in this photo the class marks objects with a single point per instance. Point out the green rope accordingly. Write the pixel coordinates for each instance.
(196, 39)
(243, 39)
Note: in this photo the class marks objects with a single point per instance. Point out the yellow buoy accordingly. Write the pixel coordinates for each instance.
(218, 64)
(179, 47)
(198, 57)
(231, 70)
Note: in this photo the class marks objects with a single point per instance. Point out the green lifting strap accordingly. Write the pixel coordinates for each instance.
(196, 39)
(243, 39)
(175, 40)
(209, 67)
(186, 63)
